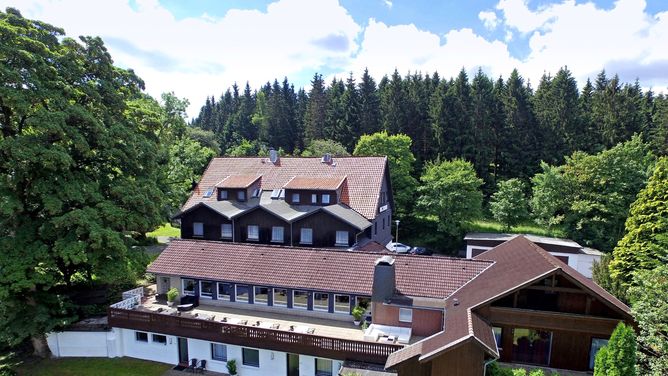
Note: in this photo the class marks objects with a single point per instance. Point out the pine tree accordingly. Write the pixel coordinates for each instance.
(314, 119)
(369, 105)
(348, 128)
(482, 122)
(334, 109)
(393, 104)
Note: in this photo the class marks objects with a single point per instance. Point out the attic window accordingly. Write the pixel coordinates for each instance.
(277, 193)
(257, 193)
(208, 193)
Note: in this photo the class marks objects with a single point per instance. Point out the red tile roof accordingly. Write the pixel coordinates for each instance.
(308, 268)
(305, 182)
(516, 263)
(364, 177)
(238, 181)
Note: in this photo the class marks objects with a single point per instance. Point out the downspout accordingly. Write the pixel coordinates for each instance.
(233, 232)
(291, 236)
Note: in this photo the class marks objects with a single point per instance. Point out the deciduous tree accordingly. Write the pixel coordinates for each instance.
(508, 204)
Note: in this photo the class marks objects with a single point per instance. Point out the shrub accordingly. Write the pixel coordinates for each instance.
(232, 366)
(172, 294)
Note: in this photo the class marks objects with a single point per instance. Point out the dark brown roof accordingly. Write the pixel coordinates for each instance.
(364, 177)
(517, 263)
(308, 268)
(237, 181)
(306, 182)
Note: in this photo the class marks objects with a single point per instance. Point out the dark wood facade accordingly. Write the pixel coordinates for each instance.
(244, 335)
(211, 221)
(324, 228)
(265, 221)
(306, 197)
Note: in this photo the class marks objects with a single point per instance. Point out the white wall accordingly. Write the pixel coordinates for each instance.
(85, 344)
(307, 365)
(167, 353)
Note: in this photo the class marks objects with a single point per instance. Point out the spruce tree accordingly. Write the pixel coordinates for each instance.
(348, 128)
(314, 119)
(369, 110)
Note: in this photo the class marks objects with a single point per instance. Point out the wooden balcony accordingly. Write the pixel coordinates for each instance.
(251, 336)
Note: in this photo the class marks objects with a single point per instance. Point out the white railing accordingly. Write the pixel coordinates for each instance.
(138, 291)
(128, 303)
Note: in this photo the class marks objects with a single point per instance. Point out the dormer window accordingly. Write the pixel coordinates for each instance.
(198, 229)
(222, 194)
(241, 195)
(314, 198)
(325, 199)
(342, 239)
(295, 198)
(277, 234)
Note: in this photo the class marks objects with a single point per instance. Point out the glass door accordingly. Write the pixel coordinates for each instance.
(293, 364)
(183, 350)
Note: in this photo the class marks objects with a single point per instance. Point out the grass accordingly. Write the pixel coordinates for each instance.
(486, 225)
(92, 366)
(165, 230)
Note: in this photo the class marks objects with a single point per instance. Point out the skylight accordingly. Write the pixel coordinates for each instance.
(209, 192)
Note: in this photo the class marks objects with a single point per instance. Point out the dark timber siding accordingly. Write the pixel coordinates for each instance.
(212, 223)
(266, 221)
(305, 197)
(324, 228)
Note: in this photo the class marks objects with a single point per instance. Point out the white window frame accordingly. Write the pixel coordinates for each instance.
(255, 295)
(222, 231)
(158, 342)
(324, 373)
(405, 315)
(236, 294)
(201, 227)
(241, 195)
(183, 287)
(274, 237)
(223, 194)
(314, 198)
(209, 295)
(296, 198)
(222, 297)
(293, 299)
(243, 359)
(224, 358)
(320, 308)
(337, 243)
(248, 233)
(347, 311)
(325, 198)
(273, 292)
(301, 235)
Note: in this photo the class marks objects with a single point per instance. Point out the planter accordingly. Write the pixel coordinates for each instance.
(170, 304)
(356, 322)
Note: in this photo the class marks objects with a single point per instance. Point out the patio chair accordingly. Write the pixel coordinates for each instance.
(202, 366)
(193, 365)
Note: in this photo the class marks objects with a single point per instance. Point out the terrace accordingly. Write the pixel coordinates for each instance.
(248, 327)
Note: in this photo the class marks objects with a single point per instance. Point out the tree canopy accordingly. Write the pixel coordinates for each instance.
(81, 171)
(618, 357)
(508, 204)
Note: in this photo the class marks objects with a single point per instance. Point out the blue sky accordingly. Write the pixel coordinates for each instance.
(199, 48)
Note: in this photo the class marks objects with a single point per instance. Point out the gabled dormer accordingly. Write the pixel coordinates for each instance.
(238, 188)
(314, 191)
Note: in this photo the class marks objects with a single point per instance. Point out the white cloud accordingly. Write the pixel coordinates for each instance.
(201, 56)
(488, 19)
(388, 4)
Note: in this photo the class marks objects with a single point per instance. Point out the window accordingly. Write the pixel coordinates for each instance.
(206, 289)
(261, 295)
(323, 367)
(498, 334)
(222, 194)
(224, 291)
(219, 352)
(314, 198)
(257, 193)
(277, 234)
(141, 337)
(342, 238)
(242, 293)
(253, 232)
(208, 193)
(299, 299)
(159, 338)
(342, 304)
(241, 195)
(188, 286)
(325, 198)
(250, 357)
(531, 346)
(363, 301)
(306, 236)
(295, 198)
(596, 344)
(405, 315)
(320, 301)
(198, 229)
(275, 193)
(226, 231)
(280, 297)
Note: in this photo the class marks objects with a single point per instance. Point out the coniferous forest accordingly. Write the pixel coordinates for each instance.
(503, 125)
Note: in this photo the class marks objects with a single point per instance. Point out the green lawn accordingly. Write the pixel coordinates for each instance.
(93, 366)
(525, 228)
(165, 230)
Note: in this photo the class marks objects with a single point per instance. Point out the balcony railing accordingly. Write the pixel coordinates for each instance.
(244, 335)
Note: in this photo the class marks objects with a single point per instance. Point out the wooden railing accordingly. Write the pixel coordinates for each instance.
(243, 335)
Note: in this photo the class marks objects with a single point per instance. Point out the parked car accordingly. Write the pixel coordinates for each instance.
(398, 247)
(421, 251)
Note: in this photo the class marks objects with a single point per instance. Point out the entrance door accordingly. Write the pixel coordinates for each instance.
(293, 364)
(164, 285)
(183, 350)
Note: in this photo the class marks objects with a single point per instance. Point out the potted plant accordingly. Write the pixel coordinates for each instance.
(172, 294)
(358, 312)
(232, 366)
